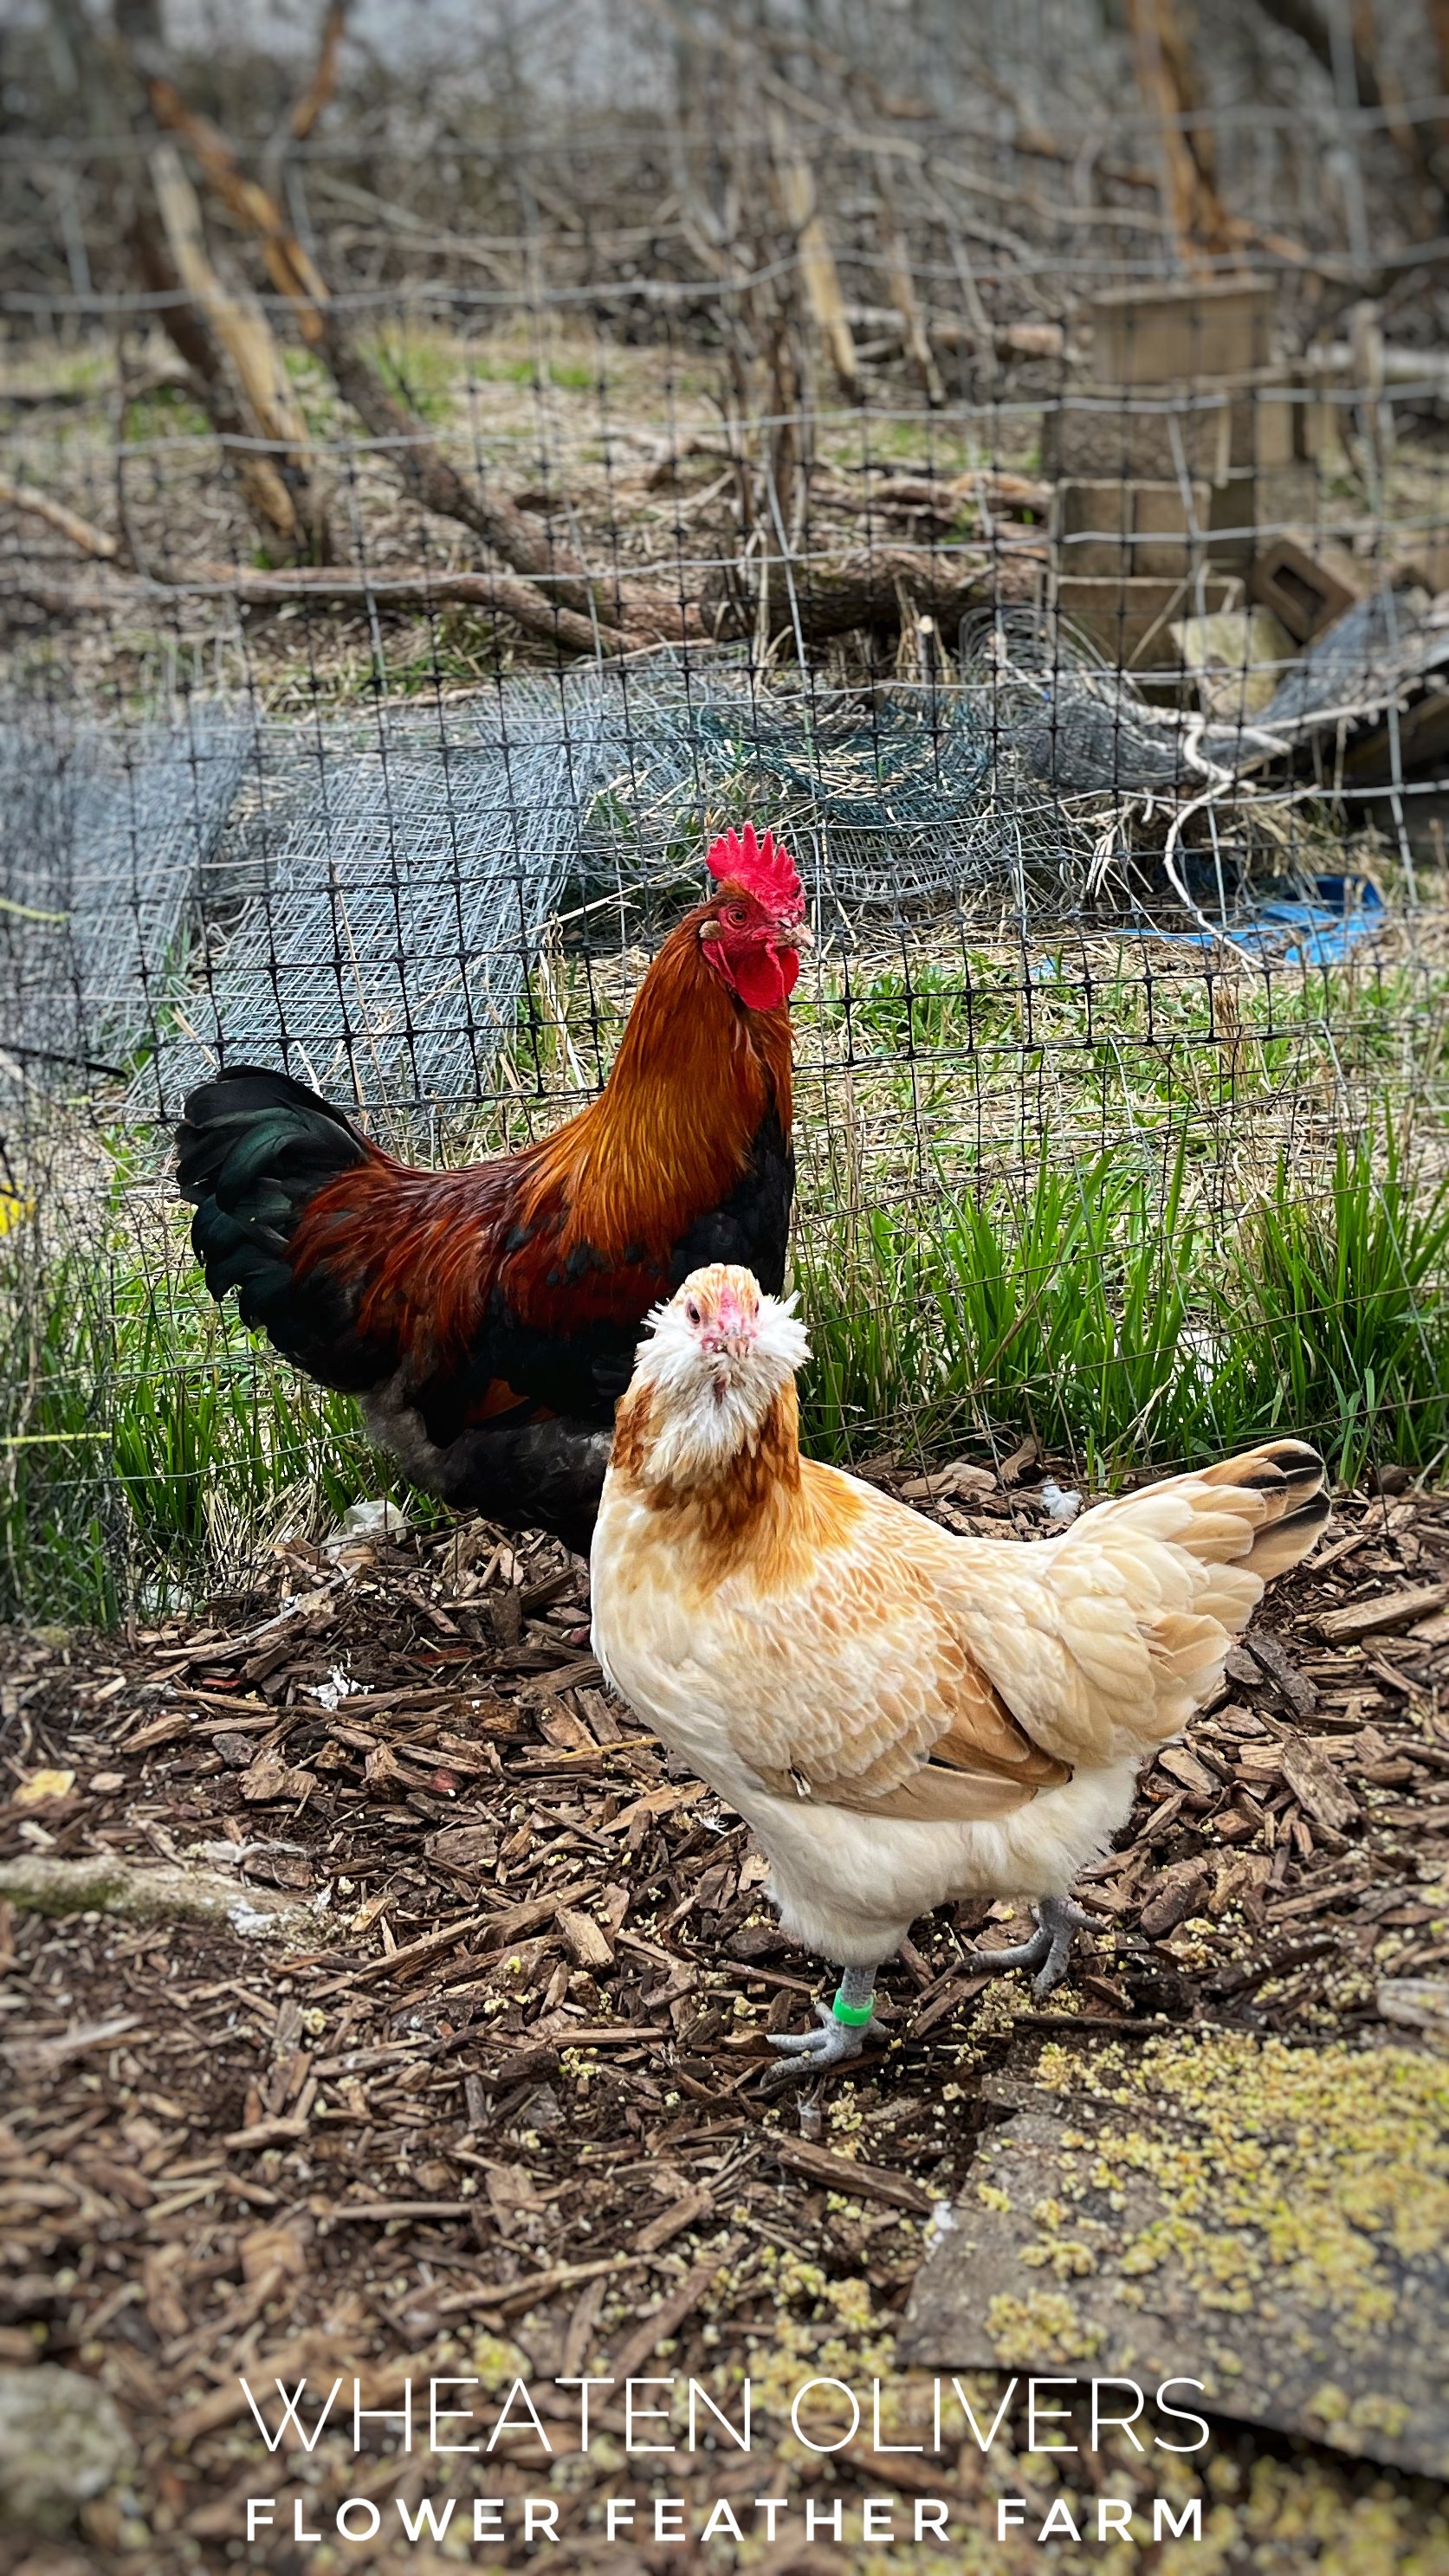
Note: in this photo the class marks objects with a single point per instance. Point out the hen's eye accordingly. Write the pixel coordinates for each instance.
(692, 1311)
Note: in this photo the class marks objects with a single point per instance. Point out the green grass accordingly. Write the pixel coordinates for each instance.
(421, 370)
(1348, 1306)
(566, 375)
(1102, 1308)
(168, 412)
(148, 1450)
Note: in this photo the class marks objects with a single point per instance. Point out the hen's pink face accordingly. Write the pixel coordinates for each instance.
(754, 947)
(722, 1310)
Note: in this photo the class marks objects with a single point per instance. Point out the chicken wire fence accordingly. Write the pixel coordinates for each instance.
(1075, 597)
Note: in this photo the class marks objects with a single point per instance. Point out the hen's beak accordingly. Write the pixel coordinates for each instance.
(729, 1346)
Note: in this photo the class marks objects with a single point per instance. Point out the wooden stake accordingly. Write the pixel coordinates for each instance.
(901, 285)
(244, 332)
(77, 532)
(818, 273)
(1167, 77)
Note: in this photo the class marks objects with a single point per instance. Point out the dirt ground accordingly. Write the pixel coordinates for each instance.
(488, 2103)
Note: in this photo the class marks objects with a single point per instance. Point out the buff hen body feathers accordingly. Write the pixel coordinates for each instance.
(905, 1717)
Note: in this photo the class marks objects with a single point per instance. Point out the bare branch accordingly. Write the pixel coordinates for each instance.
(323, 82)
(66, 523)
(495, 592)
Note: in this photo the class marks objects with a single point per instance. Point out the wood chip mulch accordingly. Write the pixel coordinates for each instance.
(496, 2092)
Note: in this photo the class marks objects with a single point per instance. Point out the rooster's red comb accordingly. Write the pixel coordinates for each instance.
(763, 867)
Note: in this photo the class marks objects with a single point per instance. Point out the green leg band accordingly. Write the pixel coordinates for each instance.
(854, 2015)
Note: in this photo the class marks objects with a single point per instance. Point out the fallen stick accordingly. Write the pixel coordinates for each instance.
(66, 523)
(149, 1892)
(841, 2173)
(672, 2312)
(858, 589)
(499, 592)
(536, 2285)
(509, 598)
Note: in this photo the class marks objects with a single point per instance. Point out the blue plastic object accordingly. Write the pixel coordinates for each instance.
(1344, 911)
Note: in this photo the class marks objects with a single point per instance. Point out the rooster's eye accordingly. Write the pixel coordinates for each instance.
(734, 912)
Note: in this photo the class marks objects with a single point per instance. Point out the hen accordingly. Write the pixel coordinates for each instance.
(487, 1317)
(905, 1717)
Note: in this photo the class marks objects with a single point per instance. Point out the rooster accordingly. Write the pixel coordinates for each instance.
(904, 1717)
(487, 1317)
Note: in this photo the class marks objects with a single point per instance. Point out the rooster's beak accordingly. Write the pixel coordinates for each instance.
(800, 935)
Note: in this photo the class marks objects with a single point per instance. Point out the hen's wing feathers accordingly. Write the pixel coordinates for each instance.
(906, 1673)
(854, 1687)
(981, 1766)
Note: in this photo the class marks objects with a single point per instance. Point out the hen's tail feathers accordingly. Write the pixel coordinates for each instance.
(1252, 1516)
(1285, 1478)
(253, 1150)
(1150, 1590)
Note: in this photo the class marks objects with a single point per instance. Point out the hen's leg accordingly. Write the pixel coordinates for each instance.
(1048, 1950)
(843, 2026)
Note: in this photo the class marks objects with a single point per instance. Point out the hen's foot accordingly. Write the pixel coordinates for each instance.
(811, 2052)
(841, 2036)
(1058, 1921)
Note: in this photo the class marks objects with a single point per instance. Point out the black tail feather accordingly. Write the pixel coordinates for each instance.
(253, 1149)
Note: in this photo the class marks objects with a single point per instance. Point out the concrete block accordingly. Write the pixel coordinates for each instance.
(1308, 581)
(1145, 528)
(1263, 427)
(1159, 335)
(1236, 659)
(1149, 436)
(1128, 616)
(1248, 507)
(1424, 561)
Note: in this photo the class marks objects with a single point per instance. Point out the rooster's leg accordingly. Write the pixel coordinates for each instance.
(843, 2026)
(1058, 1920)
